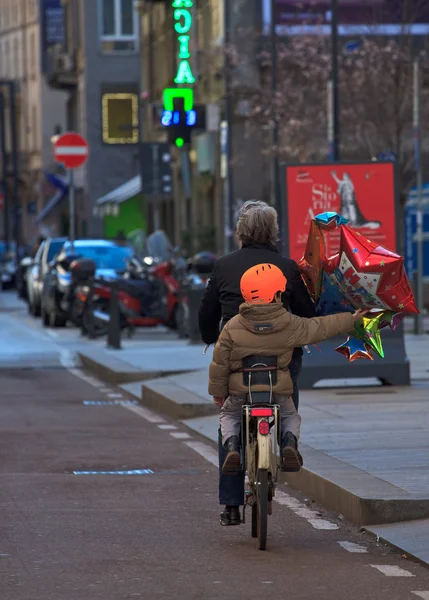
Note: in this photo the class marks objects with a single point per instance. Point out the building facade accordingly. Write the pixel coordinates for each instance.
(197, 206)
(98, 67)
(40, 112)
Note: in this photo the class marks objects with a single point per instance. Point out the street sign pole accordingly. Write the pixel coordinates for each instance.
(71, 151)
(155, 183)
(72, 208)
(419, 215)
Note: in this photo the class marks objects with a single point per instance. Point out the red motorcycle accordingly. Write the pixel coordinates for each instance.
(148, 292)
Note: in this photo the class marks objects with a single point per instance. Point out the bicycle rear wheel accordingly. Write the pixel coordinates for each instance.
(262, 493)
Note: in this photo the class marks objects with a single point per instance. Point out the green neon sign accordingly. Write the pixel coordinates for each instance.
(186, 93)
(183, 24)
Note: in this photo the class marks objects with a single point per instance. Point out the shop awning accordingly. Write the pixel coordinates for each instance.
(123, 192)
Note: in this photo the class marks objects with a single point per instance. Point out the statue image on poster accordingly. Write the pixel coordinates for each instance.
(349, 208)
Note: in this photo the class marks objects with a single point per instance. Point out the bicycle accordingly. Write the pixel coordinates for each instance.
(260, 443)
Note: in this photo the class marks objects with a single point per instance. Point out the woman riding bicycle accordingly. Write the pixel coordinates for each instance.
(257, 233)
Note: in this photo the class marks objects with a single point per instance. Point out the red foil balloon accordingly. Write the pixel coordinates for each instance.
(370, 276)
(311, 264)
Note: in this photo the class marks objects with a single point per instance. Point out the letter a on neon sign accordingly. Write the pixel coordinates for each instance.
(184, 73)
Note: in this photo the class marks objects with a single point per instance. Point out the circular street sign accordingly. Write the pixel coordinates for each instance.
(71, 150)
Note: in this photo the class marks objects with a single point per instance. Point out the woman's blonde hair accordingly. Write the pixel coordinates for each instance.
(257, 222)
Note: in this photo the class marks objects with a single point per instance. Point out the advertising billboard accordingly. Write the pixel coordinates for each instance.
(363, 193)
(355, 17)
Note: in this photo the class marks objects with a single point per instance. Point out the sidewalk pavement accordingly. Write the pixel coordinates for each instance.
(366, 449)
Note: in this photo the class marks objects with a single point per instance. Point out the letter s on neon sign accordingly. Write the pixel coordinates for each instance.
(187, 20)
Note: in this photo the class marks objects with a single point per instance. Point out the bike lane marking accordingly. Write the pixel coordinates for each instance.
(392, 571)
(302, 511)
(424, 595)
(353, 548)
(205, 451)
(180, 435)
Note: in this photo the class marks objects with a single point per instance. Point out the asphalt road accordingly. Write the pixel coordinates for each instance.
(157, 535)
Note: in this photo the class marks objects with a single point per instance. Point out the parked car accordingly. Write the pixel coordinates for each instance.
(111, 262)
(37, 272)
(8, 265)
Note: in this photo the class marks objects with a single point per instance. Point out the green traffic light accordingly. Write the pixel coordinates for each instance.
(180, 142)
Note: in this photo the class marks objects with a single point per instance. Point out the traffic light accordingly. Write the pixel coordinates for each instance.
(180, 120)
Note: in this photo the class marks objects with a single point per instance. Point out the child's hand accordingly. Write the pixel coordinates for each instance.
(359, 314)
(218, 400)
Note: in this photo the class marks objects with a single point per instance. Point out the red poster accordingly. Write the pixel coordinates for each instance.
(362, 193)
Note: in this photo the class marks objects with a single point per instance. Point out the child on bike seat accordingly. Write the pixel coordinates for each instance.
(265, 328)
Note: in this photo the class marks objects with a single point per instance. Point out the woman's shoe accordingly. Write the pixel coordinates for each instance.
(230, 516)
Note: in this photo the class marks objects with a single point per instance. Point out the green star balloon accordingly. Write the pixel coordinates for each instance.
(367, 329)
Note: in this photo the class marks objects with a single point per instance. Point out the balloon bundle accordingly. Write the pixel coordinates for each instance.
(361, 275)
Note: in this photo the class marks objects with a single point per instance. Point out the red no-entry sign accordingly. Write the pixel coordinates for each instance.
(71, 150)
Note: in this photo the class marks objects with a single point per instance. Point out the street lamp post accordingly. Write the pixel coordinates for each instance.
(228, 181)
(334, 103)
(11, 85)
(419, 178)
(3, 151)
(276, 194)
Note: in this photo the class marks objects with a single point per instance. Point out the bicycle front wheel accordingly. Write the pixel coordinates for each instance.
(262, 493)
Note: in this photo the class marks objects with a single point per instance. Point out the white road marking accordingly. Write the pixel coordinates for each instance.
(302, 511)
(180, 435)
(67, 359)
(52, 334)
(424, 595)
(205, 451)
(392, 571)
(353, 548)
(113, 395)
(145, 413)
(105, 390)
(167, 427)
(88, 378)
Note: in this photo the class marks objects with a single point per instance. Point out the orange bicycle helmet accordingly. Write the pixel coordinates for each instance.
(261, 283)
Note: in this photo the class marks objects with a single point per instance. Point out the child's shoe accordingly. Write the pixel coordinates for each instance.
(231, 466)
(291, 459)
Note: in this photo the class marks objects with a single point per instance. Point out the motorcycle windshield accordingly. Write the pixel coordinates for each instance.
(159, 246)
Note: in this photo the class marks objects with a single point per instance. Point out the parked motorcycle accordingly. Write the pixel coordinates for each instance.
(199, 270)
(147, 292)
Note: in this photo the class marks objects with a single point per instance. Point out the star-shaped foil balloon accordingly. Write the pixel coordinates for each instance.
(354, 349)
(368, 328)
(331, 299)
(370, 276)
(312, 262)
(330, 220)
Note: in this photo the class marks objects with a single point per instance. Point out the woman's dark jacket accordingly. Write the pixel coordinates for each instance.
(222, 297)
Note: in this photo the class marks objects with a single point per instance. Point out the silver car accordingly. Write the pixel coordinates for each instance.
(48, 249)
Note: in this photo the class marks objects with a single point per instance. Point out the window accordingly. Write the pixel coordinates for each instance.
(120, 118)
(118, 25)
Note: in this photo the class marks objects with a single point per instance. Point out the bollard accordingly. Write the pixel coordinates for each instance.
(194, 301)
(114, 327)
(87, 327)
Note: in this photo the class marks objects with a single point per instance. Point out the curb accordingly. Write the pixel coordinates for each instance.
(371, 502)
(115, 371)
(361, 498)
